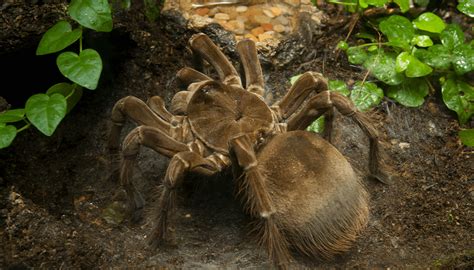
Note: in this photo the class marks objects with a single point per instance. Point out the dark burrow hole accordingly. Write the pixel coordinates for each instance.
(25, 74)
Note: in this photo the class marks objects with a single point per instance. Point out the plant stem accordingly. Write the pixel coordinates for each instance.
(80, 42)
(24, 127)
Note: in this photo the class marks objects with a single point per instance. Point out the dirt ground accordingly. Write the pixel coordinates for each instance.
(59, 210)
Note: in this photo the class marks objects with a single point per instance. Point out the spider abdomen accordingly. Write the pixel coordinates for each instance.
(321, 205)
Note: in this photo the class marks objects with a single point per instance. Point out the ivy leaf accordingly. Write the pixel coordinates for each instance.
(7, 135)
(57, 38)
(430, 22)
(402, 61)
(377, 3)
(366, 96)
(467, 137)
(436, 56)
(403, 4)
(318, 125)
(416, 68)
(356, 55)
(339, 87)
(410, 93)
(93, 14)
(46, 112)
(458, 96)
(466, 7)
(422, 41)
(452, 36)
(83, 69)
(382, 66)
(463, 59)
(398, 29)
(72, 93)
(11, 116)
(342, 45)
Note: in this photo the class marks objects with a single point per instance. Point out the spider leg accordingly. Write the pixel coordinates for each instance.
(187, 76)
(180, 164)
(153, 138)
(252, 69)
(324, 101)
(309, 83)
(157, 105)
(203, 46)
(141, 114)
(258, 201)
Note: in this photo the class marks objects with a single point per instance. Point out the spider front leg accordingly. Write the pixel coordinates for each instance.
(258, 201)
(309, 84)
(179, 166)
(135, 109)
(150, 137)
(252, 69)
(324, 101)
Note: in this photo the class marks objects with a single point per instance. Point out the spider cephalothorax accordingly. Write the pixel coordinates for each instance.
(301, 191)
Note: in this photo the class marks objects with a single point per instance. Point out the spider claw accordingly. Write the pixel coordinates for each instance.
(382, 178)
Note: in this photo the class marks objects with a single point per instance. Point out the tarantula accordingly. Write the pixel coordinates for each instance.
(302, 193)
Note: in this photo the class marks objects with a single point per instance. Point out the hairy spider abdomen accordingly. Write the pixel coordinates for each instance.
(320, 203)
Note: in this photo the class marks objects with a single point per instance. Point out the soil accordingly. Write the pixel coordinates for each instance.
(59, 209)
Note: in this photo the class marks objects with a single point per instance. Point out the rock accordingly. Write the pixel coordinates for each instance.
(265, 36)
(252, 37)
(241, 9)
(276, 11)
(293, 3)
(267, 26)
(261, 19)
(213, 11)
(268, 13)
(404, 145)
(279, 28)
(237, 27)
(281, 20)
(221, 16)
(257, 31)
(196, 21)
(202, 11)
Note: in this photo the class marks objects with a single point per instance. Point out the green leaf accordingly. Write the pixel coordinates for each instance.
(45, 112)
(410, 93)
(7, 135)
(339, 87)
(452, 36)
(317, 126)
(436, 56)
(295, 78)
(467, 137)
(416, 68)
(429, 22)
(57, 38)
(11, 116)
(463, 59)
(458, 96)
(93, 14)
(377, 3)
(466, 7)
(382, 66)
(398, 30)
(403, 4)
(402, 61)
(72, 93)
(422, 41)
(83, 69)
(342, 45)
(356, 55)
(366, 96)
